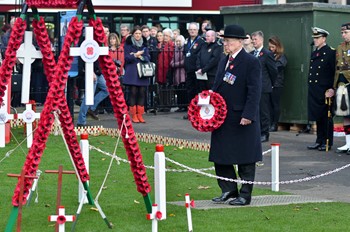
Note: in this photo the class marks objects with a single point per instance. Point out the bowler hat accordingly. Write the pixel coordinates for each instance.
(234, 31)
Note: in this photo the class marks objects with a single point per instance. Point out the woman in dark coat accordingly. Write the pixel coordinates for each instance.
(135, 51)
(276, 47)
(237, 141)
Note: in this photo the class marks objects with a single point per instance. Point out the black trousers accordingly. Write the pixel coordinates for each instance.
(191, 85)
(265, 113)
(245, 172)
(325, 130)
(275, 103)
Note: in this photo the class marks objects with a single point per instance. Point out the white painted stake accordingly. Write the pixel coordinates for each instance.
(275, 166)
(29, 117)
(84, 147)
(188, 205)
(26, 55)
(61, 219)
(89, 51)
(159, 180)
(154, 216)
(4, 117)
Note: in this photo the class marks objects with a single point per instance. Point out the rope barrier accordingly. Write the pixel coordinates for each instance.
(201, 171)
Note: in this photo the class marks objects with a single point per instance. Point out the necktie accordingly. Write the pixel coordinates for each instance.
(256, 53)
(231, 59)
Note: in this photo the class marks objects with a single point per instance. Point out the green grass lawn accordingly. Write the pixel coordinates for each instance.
(125, 208)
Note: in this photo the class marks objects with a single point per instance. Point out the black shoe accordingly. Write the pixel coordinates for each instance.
(92, 114)
(323, 147)
(225, 196)
(264, 138)
(240, 201)
(313, 146)
(185, 117)
(348, 152)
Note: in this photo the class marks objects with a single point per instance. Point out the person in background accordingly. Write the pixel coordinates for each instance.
(160, 38)
(151, 43)
(342, 77)
(276, 47)
(247, 44)
(178, 66)
(164, 71)
(124, 33)
(237, 140)
(206, 26)
(269, 75)
(100, 84)
(136, 51)
(176, 32)
(192, 47)
(164, 56)
(116, 52)
(207, 60)
(153, 30)
(320, 83)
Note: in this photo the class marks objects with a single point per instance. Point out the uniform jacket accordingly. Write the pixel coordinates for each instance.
(164, 57)
(131, 76)
(321, 78)
(191, 53)
(233, 143)
(343, 62)
(269, 70)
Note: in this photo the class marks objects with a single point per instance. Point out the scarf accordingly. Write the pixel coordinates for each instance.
(138, 43)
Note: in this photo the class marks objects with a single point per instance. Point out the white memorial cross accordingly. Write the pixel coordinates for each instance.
(27, 54)
(4, 118)
(89, 51)
(61, 219)
(29, 116)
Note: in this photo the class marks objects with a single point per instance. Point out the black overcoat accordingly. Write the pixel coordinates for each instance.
(233, 143)
(321, 78)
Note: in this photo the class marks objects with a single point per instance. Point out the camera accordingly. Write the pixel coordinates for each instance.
(118, 63)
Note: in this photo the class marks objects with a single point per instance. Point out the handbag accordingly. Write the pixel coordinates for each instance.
(146, 69)
(342, 101)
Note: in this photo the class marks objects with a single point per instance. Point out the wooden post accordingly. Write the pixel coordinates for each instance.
(60, 173)
(21, 177)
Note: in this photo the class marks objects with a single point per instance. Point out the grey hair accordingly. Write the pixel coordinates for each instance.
(168, 30)
(258, 33)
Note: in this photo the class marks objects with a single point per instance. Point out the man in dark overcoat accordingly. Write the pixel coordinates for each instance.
(320, 81)
(237, 141)
(269, 75)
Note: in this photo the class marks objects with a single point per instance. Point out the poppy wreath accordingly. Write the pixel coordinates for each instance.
(211, 123)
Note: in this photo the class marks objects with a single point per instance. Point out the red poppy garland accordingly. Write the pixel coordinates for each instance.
(207, 118)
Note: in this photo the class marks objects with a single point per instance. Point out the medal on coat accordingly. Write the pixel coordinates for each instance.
(348, 52)
(229, 78)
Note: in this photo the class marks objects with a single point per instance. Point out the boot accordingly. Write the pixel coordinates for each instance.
(140, 112)
(132, 110)
(346, 147)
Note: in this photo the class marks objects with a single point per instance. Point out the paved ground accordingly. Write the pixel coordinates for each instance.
(296, 162)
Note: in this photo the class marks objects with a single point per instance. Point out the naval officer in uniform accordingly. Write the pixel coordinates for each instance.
(320, 83)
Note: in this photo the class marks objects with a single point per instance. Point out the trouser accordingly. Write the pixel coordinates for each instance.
(191, 85)
(245, 172)
(324, 130)
(275, 103)
(265, 113)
